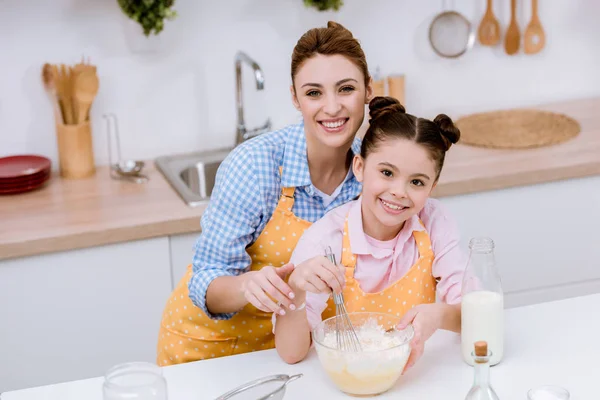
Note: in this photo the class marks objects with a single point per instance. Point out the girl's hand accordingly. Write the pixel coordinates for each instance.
(317, 275)
(425, 319)
(269, 281)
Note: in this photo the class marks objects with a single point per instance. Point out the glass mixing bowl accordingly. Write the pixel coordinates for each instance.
(376, 368)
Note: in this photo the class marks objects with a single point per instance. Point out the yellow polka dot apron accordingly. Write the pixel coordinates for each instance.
(188, 334)
(417, 286)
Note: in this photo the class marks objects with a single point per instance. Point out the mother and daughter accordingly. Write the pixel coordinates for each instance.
(259, 278)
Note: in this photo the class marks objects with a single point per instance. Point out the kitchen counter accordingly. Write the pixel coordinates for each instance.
(96, 211)
(540, 349)
(72, 214)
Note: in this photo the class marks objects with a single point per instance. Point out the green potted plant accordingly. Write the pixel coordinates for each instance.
(144, 21)
(150, 14)
(324, 5)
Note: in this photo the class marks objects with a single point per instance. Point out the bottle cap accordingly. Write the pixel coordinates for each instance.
(481, 349)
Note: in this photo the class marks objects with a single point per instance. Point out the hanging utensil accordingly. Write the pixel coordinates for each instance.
(451, 34)
(513, 35)
(489, 28)
(534, 38)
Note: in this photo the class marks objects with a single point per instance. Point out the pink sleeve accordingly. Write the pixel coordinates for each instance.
(315, 305)
(450, 260)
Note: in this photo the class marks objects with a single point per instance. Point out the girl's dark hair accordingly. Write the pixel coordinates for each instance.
(388, 120)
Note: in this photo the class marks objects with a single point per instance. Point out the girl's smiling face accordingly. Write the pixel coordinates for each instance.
(398, 177)
(330, 93)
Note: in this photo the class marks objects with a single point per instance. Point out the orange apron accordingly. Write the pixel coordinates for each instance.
(188, 334)
(416, 287)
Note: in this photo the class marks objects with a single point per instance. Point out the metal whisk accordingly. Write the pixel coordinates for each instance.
(346, 337)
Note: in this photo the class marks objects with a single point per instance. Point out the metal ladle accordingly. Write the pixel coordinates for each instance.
(129, 170)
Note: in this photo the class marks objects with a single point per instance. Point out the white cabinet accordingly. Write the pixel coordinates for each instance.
(74, 314)
(547, 236)
(182, 251)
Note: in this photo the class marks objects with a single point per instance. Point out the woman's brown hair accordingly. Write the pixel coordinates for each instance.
(389, 120)
(332, 40)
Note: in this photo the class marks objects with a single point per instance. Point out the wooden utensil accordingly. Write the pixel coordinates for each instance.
(85, 89)
(534, 37)
(72, 90)
(489, 27)
(64, 91)
(49, 79)
(513, 35)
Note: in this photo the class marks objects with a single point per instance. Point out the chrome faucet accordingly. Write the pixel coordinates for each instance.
(242, 133)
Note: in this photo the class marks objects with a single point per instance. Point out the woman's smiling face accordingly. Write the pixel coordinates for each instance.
(331, 94)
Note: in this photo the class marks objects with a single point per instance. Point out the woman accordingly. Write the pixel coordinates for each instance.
(267, 192)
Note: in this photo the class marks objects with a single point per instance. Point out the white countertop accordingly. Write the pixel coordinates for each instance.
(551, 343)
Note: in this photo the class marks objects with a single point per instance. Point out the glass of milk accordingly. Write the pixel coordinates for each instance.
(136, 380)
(482, 305)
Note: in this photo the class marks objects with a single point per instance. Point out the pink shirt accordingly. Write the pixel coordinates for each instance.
(380, 264)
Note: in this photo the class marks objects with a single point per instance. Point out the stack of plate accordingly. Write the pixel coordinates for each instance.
(23, 173)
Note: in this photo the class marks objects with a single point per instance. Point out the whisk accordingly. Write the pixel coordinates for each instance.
(345, 335)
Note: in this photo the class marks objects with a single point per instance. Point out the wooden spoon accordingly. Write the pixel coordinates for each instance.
(489, 28)
(49, 78)
(513, 35)
(85, 89)
(534, 37)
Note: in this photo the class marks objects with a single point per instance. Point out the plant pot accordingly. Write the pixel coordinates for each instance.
(137, 41)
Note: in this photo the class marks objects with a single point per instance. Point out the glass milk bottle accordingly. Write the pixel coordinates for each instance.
(482, 305)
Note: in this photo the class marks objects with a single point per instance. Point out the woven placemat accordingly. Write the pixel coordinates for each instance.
(516, 129)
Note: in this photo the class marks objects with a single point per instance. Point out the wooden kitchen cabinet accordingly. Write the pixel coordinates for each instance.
(74, 314)
(181, 251)
(546, 235)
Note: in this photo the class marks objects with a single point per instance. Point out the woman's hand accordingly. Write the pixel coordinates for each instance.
(425, 319)
(269, 281)
(317, 275)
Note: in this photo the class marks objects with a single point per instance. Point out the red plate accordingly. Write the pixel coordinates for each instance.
(24, 178)
(24, 182)
(23, 188)
(23, 165)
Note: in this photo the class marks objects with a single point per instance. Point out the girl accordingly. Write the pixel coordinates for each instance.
(398, 247)
(267, 192)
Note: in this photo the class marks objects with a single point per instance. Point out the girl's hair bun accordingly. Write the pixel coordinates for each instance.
(382, 105)
(450, 133)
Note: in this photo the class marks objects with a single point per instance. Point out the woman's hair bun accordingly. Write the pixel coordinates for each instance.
(450, 133)
(381, 105)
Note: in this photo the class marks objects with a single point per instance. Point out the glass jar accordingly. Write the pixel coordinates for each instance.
(134, 381)
(482, 306)
(481, 389)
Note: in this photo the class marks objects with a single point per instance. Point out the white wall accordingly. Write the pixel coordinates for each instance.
(183, 99)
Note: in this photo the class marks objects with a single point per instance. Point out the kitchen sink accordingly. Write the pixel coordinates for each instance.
(192, 175)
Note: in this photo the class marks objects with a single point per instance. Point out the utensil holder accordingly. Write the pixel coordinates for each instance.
(396, 88)
(75, 150)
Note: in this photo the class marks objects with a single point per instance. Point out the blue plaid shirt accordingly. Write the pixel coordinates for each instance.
(247, 189)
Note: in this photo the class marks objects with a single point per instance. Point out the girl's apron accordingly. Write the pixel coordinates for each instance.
(188, 334)
(416, 287)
